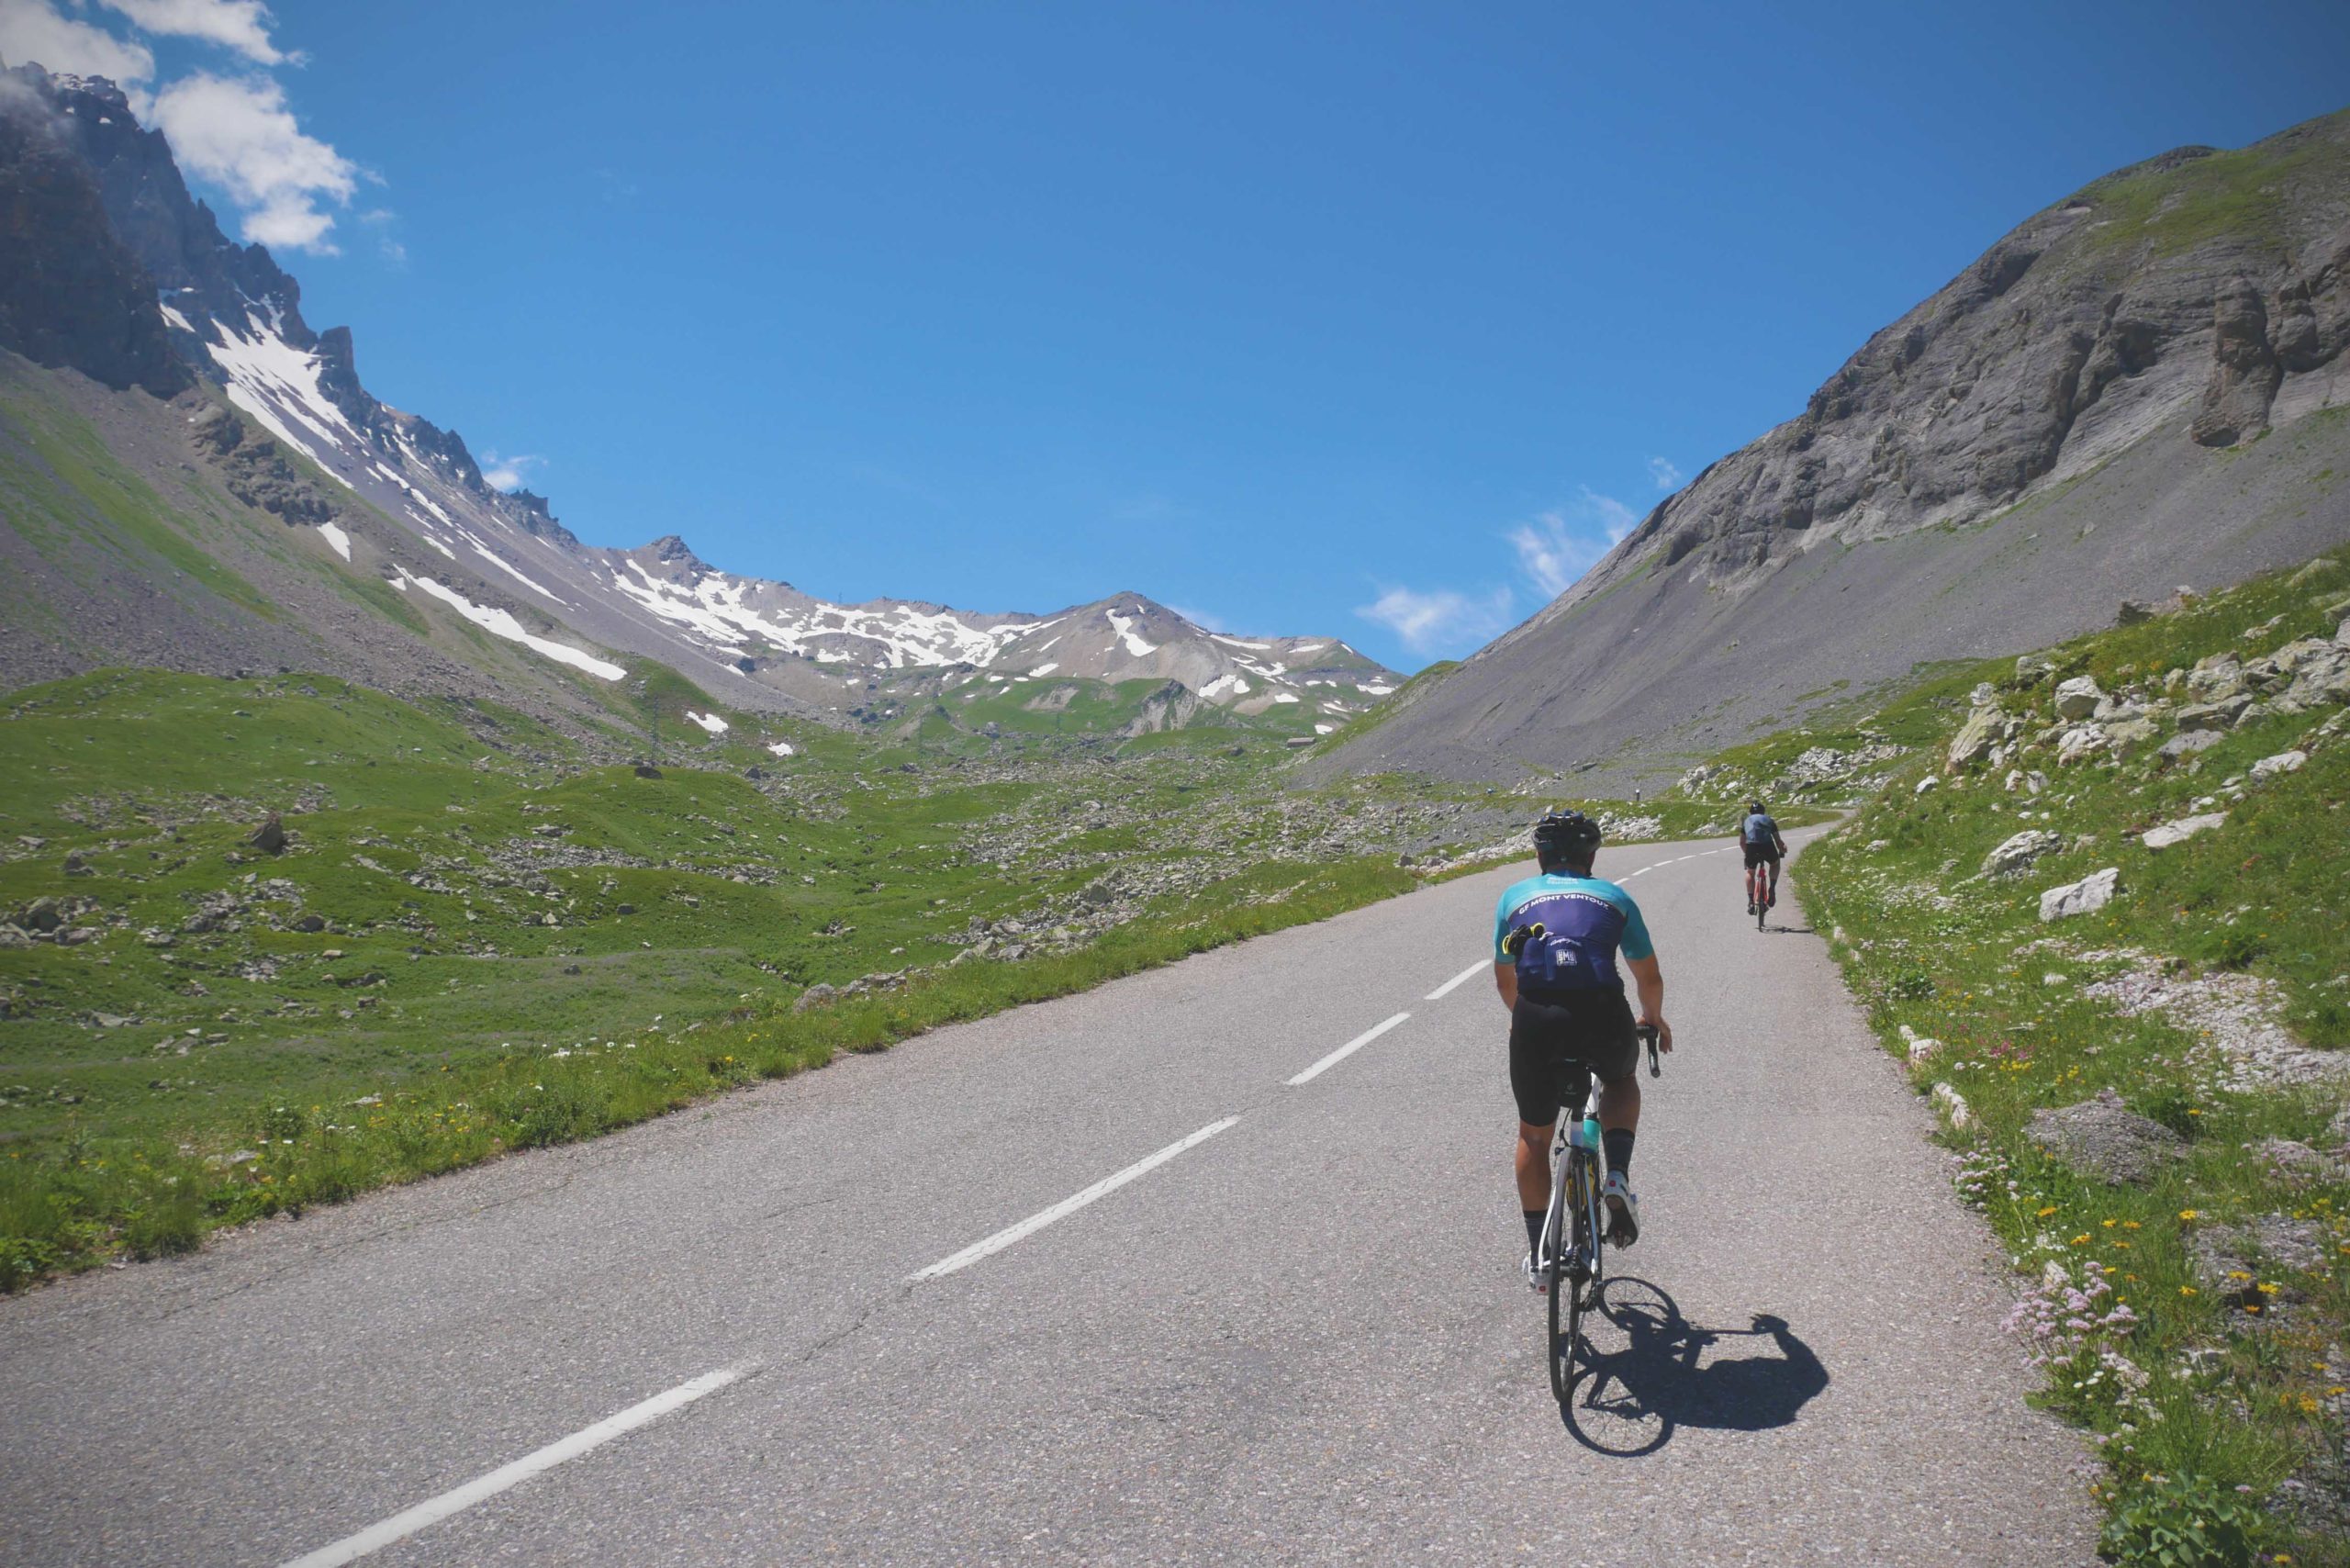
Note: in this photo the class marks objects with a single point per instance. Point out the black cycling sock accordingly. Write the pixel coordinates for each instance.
(1534, 1218)
(1618, 1141)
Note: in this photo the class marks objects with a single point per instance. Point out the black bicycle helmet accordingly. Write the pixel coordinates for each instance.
(1566, 834)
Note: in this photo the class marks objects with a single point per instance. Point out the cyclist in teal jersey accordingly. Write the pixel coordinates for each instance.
(1555, 940)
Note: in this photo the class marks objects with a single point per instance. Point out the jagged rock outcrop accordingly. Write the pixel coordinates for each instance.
(1994, 470)
(70, 293)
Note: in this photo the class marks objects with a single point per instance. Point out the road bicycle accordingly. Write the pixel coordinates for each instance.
(1757, 891)
(1569, 1262)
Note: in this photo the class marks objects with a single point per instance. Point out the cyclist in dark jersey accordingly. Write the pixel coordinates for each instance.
(1555, 941)
(1759, 836)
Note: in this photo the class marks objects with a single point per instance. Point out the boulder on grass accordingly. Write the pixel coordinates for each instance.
(1975, 738)
(2182, 830)
(2093, 891)
(2187, 743)
(2016, 854)
(2103, 1138)
(2079, 697)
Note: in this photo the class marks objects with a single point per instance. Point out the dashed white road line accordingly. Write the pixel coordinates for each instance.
(1066, 1206)
(1446, 989)
(374, 1538)
(1350, 1049)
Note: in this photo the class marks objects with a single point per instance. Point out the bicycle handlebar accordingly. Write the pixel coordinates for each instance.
(1647, 1033)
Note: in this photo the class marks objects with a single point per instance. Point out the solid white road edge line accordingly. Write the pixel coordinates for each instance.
(1066, 1206)
(1440, 992)
(1343, 1052)
(374, 1538)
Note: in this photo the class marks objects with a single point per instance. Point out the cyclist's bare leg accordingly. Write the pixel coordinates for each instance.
(1619, 1105)
(1774, 883)
(1533, 1161)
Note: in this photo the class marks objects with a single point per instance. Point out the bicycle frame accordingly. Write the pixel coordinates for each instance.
(1578, 1199)
(1566, 1155)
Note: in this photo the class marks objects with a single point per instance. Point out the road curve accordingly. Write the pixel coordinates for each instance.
(1220, 1290)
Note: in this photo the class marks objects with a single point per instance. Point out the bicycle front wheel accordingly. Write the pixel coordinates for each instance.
(1561, 1290)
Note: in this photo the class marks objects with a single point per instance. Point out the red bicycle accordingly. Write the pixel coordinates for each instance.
(1757, 891)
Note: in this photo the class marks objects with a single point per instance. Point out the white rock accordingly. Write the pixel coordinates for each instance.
(2093, 891)
(1922, 1048)
(2282, 763)
(2182, 830)
(1954, 1108)
(2079, 697)
(2080, 743)
(1925, 784)
(2017, 853)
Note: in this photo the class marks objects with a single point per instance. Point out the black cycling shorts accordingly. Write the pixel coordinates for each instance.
(1558, 1042)
(1761, 855)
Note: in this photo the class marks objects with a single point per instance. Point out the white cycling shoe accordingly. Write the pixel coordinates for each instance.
(1533, 1278)
(1623, 1210)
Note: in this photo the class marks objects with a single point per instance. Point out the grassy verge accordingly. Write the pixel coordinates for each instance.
(2193, 1310)
(153, 1195)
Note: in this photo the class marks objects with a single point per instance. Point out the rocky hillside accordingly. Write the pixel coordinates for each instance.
(220, 419)
(2140, 387)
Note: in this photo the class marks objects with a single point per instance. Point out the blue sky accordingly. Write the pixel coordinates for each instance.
(1353, 318)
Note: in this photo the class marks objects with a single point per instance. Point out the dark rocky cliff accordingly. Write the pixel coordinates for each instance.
(70, 293)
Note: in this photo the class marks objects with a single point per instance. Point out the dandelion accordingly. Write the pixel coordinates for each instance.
(2186, 1290)
(2190, 1215)
(2046, 1212)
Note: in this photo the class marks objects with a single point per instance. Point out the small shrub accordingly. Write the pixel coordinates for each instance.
(2183, 1521)
(1910, 985)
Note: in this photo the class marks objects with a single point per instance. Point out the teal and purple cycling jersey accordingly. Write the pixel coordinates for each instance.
(1585, 922)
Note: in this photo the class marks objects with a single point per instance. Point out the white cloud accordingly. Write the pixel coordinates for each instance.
(239, 134)
(1441, 621)
(32, 30)
(1206, 620)
(1563, 543)
(509, 473)
(239, 24)
(1665, 472)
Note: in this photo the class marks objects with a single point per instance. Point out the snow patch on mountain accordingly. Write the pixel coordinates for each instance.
(278, 385)
(1125, 631)
(501, 623)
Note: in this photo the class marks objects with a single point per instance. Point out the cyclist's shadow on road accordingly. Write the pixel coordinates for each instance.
(1643, 1372)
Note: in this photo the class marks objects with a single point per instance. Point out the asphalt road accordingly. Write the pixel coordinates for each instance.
(1300, 1336)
